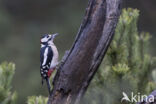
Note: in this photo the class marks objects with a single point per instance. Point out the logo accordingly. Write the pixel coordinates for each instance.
(125, 97)
(137, 98)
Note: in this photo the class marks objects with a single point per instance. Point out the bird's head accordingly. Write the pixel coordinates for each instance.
(48, 38)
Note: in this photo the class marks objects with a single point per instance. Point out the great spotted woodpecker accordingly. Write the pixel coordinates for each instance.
(48, 57)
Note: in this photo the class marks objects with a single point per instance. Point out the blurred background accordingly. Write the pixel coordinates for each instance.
(22, 22)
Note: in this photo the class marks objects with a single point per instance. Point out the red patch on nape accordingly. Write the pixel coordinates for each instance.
(50, 72)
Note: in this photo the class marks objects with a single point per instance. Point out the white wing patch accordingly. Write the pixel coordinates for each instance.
(45, 56)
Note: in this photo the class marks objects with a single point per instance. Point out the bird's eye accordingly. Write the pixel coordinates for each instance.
(47, 36)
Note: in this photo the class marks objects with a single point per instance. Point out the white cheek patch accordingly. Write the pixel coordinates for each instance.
(44, 39)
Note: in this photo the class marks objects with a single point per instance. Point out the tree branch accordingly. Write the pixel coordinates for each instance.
(85, 56)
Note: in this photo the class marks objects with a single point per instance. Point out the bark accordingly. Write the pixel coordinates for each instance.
(82, 61)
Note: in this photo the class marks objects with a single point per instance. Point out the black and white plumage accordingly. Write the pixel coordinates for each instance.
(48, 57)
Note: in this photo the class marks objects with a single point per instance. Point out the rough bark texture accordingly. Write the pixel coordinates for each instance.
(82, 61)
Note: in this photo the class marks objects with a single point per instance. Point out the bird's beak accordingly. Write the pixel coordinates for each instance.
(55, 35)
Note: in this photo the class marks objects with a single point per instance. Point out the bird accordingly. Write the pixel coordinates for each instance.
(48, 57)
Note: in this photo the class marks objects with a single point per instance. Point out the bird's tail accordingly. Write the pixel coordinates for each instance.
(48, 85)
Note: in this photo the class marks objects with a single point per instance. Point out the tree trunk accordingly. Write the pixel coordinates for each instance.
(82, 61)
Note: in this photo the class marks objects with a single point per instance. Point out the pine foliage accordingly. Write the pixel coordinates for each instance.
(7, 71)
(127, 66)
(37, 100)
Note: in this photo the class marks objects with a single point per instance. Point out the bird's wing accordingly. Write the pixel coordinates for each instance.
(46, 55)
(42, 50)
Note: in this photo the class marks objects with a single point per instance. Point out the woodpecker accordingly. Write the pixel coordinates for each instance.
(48, 57)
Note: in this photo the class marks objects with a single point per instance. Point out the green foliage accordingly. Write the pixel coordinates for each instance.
(7, 71)
(120, 68)
(127, 67)
(37, 100)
